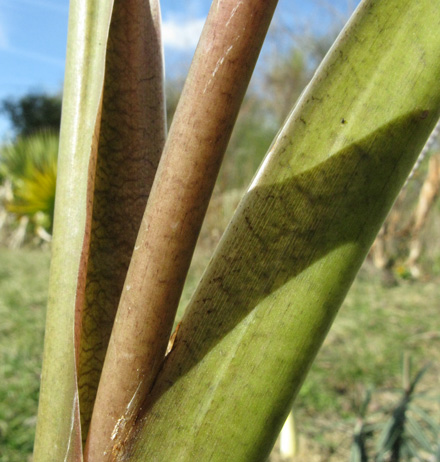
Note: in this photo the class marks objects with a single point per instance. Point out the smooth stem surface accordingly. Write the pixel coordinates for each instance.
(58, 434)
(218, 78)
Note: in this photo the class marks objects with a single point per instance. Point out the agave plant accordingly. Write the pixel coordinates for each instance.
(412, 432)
(116, 385)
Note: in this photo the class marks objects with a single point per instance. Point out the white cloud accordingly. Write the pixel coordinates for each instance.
(182, 35)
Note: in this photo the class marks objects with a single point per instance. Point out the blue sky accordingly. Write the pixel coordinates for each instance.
(33, 38)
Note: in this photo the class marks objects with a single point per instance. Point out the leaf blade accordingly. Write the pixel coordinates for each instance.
(310, 215)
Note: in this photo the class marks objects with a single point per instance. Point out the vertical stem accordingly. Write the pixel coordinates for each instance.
(131, 139)
(58, 433)
(218, 78)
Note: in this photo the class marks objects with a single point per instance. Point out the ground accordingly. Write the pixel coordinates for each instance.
(364, 350)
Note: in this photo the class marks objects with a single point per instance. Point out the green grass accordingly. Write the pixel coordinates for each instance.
(364, 349)
(376, 325)
(23, 286)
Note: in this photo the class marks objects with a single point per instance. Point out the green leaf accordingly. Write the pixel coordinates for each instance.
(426, 418)
(418, 433)
(292, 250)
(31, 165)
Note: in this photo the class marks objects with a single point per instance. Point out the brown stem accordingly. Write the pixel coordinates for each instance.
(130, 139)
(217, 81)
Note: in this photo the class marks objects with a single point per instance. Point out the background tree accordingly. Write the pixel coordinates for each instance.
(33, 112)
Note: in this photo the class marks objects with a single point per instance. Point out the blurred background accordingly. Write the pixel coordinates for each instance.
(389, 326)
